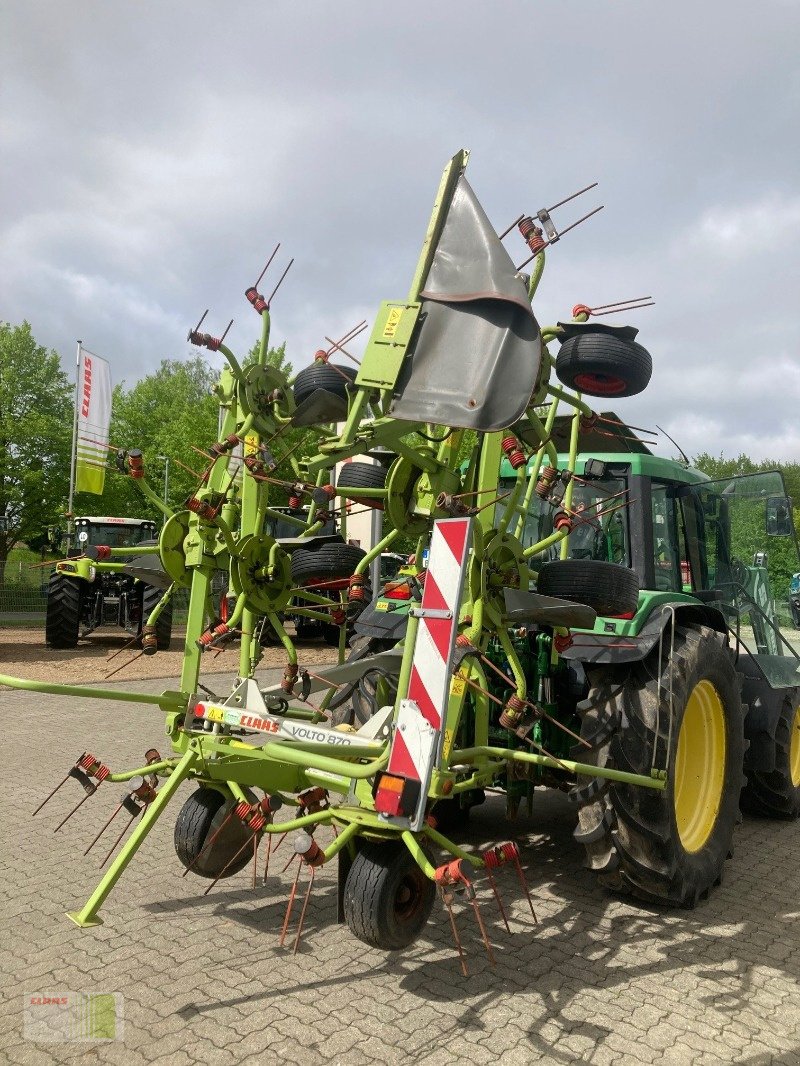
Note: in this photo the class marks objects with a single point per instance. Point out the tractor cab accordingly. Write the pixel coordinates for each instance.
(114, 532)
(728, 545)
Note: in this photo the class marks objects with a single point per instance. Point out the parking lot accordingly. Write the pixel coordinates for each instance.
(204, 981)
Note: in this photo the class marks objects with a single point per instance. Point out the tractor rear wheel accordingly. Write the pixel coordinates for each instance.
(150, 597)
(64, 607)
(776, 794)
(201, 816)
(664, 846)
(387, 897)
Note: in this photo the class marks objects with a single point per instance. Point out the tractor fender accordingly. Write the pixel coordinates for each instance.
(611, 648)
(390, 625)
(763, 705)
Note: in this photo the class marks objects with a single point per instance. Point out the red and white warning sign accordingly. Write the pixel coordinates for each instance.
(417, 741)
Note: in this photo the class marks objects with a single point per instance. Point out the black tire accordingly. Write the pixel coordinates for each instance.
(357, 702)
(150, 597)
(633, 838)
(362, 476)
(323, 376)
(64, 608)
(776, 794)
(607, 587)
(198, 819)
(600, 364)
(327, 563)
(387, 897)
(330, 634)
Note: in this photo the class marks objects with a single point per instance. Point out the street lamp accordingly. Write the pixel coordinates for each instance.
(166, 477)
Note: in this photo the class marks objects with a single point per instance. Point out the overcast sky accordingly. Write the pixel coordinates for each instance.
(152, 154)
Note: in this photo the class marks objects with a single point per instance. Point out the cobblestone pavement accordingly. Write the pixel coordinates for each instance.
(597, 981)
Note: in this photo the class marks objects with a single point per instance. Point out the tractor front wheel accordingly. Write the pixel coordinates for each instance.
(64, 608)
(387, 897)
(664, 846)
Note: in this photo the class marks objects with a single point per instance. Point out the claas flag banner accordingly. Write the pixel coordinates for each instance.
(92, 420)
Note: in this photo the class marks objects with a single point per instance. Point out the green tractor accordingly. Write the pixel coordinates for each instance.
(107, 579)
(685, 668)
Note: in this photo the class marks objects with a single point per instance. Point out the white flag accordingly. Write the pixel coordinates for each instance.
(93, 417)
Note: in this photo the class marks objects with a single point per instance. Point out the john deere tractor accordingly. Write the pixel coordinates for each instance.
(685, 667)
(107, 581)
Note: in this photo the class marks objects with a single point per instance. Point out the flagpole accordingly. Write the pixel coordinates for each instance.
(73, 456)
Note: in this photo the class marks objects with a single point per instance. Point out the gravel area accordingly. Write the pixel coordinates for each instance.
(23, 653)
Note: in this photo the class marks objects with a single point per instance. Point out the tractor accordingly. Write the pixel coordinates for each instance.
(589, 618)
(105, 581)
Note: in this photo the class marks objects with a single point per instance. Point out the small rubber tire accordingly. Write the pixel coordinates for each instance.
(387, 897)
(610, 589)
(64, 609)
(776, 793)
(150, 597)
(362, 476)
(198, 819)
(599, 364)
(327, 563)
(326, 377)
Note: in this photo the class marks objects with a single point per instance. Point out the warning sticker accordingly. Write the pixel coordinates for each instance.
(393, 321)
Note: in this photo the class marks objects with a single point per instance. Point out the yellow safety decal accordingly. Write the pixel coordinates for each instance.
(393, 321)
(457, 685)
(448, 743)
(215, 714)
(382, 605)
(251, 444)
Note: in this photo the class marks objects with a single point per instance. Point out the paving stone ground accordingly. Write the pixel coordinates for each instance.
(597, 981)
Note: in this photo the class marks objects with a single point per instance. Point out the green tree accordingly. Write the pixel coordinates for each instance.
(35, 437)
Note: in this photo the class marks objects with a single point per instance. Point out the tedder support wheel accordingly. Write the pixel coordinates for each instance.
(150, 597)
(198, 819)
(664, 846)
(609, 588)
(600, 364)
(776, 793)
(356, 475)
(327, 563)
(64, 606)
(387, 898)
(325, 376)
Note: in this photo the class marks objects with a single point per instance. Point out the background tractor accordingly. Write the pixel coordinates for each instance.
(107, 581)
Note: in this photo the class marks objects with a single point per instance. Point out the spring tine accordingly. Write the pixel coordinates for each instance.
(108, 823)
(574, 224)
(620, 303)
(128, 663)
(498, 898)
(74, 809)
(524, 883)
(339, 348)
(290, 904)
(266, 268)
(225, 334)
(280, 282)
(290, 861)
(505, 233)
(574, 196)
(303, 911)
(227, 864)
(266, 864)
(255, 857)
(202, 320)
(482, 927)
(456, 937)
(48, 798)
(122, 834)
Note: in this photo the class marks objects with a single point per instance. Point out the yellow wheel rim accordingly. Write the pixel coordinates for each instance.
(794, 749)
(700, 766)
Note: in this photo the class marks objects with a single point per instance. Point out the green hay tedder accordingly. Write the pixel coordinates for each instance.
(591, 618)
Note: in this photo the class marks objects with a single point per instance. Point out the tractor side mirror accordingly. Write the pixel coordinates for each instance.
(779, 516)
